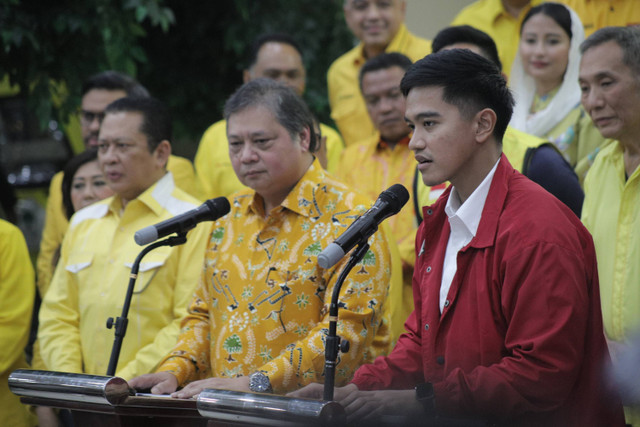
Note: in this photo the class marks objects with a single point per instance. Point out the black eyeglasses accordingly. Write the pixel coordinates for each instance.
(89, 116)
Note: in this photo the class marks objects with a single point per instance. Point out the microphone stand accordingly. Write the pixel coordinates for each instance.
(334, 343)
(122, 321)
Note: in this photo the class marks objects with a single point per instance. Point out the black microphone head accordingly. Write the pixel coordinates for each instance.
(396, 196)
(218, 207)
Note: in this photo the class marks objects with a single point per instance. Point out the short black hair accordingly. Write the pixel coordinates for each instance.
(70, 169)
(270, 38)
(467, 34)
(469, 81)
(115, 80)
(556, 11)
(287, 107)
(384, 61)
(156, 119)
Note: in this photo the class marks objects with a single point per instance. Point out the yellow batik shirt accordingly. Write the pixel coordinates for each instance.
(213, 164)
(262, 303)
(348, 109)
(92, 277)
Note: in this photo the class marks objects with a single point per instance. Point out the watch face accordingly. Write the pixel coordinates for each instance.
(424, 391)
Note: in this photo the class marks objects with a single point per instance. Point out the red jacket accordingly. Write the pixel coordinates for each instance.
(520, 338)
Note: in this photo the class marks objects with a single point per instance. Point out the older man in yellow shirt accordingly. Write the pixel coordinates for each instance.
(610, 83)
(92, 276)
(260, 314)
(379, 26)
(97, 92)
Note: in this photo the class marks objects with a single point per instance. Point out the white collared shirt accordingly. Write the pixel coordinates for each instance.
(464, 220)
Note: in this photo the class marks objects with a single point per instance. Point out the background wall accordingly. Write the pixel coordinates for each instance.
(426, 17)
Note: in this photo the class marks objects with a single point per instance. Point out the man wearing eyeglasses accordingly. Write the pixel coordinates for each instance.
(97, 92)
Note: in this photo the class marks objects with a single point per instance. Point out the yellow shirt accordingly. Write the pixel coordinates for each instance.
(490, 16)
(371, 167)
(611, 212)
(577, 138)
(596, 14)
(56, 222)
(262, 302)
(348, 109)
(92, 277)
(213, 164)
(17, 291)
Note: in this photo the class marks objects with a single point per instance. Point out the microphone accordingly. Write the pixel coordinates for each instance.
(389, 203)
(211, 210)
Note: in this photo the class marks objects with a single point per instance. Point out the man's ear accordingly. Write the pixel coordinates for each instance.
(305, 139)
(485, 121)
(246, 76)
(162, 153)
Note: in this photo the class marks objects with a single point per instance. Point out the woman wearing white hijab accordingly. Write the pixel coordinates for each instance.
(544, 80)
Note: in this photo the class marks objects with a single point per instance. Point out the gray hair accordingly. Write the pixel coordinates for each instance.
(288, 108)
(628, 38)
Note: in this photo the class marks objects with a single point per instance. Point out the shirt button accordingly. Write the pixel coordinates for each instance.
(426, 327)
(440, 360)
(429, 269)
(446, 303)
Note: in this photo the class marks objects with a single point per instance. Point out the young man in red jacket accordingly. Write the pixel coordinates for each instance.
(507, 324)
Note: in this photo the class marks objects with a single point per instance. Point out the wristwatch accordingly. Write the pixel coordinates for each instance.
(426, 397)
(259, 383)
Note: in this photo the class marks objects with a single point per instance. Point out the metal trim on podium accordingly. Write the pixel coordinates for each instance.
(68, 386)
(268, 409)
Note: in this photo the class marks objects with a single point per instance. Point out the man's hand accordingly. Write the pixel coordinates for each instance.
(159, 383)
(316, 391)
(194, 388)
(368, 405)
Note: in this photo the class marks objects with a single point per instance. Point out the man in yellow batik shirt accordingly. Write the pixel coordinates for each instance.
(97, 92)
(610, 83)
(260, 312)
(379, 25)
(275, 56)
(500, 19)
(92, 276)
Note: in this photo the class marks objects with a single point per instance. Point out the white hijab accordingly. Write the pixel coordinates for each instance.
(565, 100)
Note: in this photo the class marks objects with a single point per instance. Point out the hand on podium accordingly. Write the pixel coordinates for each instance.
(158, 383)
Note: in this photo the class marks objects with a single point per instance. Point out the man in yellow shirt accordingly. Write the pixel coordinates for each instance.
(261, 308)
(92, 276)
(610, 82)
(375, 164)
(97, 92)
(274, 56)
(17, 290)
(500, 19)
(596, 14)
(379, 26)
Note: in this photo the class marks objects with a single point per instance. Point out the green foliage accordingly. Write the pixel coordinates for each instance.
(49, 48)
(189, 54)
